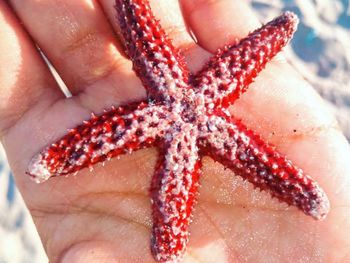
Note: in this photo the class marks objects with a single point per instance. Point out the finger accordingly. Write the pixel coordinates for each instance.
(25, 80)
(215, 23)
(172, 21)
(78, 40)
(280, 105)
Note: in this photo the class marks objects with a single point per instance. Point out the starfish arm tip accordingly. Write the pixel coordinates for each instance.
(321, 209)
(290, 15)
(38, 170)
(293, 18)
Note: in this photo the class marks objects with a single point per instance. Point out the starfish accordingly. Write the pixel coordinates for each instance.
(186, 117)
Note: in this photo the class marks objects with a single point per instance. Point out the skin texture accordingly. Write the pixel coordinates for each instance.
(105, 215)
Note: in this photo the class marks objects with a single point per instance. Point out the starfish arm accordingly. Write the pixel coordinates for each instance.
(118, 131)
(228, 74)
(173, 193)
(157, 63)
(239, 149)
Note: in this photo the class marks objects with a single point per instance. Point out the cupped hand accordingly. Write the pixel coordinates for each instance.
(104, 215)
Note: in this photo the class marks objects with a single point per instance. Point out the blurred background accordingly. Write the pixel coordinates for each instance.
(320, 51)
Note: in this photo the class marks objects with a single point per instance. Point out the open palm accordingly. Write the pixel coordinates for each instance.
(104, 215)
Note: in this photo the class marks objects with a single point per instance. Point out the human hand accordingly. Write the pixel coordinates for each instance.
(105, 215)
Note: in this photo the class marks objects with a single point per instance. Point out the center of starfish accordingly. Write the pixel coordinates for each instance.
(188, 106)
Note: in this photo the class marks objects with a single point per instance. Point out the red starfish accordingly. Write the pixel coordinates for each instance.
(186, 117)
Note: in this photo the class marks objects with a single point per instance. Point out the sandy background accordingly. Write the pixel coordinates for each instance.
(320, 51)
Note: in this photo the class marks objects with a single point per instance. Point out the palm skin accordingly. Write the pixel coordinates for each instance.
(105, 216)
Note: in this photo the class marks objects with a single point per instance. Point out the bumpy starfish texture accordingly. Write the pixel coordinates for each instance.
(186, 117)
